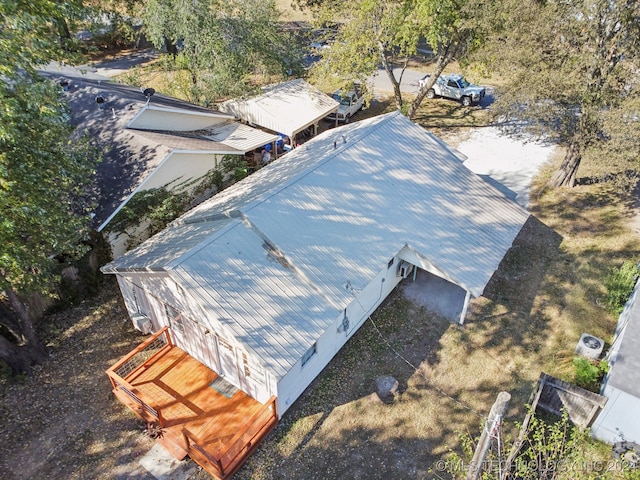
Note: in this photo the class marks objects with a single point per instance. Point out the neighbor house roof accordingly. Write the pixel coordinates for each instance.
(287, 107)
(149, 142)
(625, 357)
(290, 244)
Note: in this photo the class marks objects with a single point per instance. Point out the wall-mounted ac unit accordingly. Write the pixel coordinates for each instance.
(590, 346)
(142, 323)
(404, 269)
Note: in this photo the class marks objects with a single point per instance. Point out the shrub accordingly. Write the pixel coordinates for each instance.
(588, 374)
(619, 283)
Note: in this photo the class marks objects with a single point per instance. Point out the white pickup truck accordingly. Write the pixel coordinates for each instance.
(455, 87)
(350, 101)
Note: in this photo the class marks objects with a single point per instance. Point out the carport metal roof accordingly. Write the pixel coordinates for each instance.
(287, 107)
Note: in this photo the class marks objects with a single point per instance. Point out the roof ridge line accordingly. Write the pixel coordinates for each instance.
(284, 260)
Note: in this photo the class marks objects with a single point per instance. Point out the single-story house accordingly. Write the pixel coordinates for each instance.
(619, 420)
(150, 141)
(267, 280)
(287, 108)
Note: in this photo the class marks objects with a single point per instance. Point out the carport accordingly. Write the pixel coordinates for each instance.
(287, 108)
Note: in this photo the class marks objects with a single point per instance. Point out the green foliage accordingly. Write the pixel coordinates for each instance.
(158, 206)
(88, 278)
(620, 283)
(217, 178)
(571, 75)
(236, 165)
(552, 448)
(589, 374)
(549, 447)
(45, 184)
(387, 33)
(223, 44)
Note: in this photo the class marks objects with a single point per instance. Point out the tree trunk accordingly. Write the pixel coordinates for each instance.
(28, 348)
(388, 68)
(20, 359)
(443, 60)
(565, 176)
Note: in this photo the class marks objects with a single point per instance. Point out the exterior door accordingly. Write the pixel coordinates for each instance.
(253, 378)
(227, 361)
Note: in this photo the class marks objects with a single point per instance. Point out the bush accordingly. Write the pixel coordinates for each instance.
(588, 374)
(619, 283)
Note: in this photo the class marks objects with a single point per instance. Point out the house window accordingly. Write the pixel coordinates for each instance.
(174, 317)
(245, 361)
(309, 353)
(390, 264)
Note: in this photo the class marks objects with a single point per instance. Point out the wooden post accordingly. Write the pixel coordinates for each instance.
(465, 306)
(534, 398)
(492, 427)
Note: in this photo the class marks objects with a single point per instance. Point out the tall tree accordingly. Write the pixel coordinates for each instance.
(388, 32)
(572, 74)
(223, 43)
(453, 30)
(371, 33)
(43, 177)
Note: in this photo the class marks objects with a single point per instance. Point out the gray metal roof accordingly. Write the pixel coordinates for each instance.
(266, 305)
(130, 156)
(625, 370)
(287, 107)
(337, 209)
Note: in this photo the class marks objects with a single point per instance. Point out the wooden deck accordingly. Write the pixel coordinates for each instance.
(172, 390)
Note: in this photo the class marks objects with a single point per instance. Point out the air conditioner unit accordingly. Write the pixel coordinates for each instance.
(404, 269)
(590, 346)
(142, 323)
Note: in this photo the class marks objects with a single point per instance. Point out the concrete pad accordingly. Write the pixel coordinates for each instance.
(435, 294)
(159, 463)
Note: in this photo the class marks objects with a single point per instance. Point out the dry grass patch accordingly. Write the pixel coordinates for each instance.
(62, 421)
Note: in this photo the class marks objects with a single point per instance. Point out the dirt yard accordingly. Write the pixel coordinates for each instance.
(62, 421)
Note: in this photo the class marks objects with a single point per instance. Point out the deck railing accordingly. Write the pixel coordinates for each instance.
(132, 363)
(226, 462)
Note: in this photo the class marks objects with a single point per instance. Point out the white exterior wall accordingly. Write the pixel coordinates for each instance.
(179, 172)
(201, 337)
(619, 419)
(260, 383)
(180, 168)
(295, 382)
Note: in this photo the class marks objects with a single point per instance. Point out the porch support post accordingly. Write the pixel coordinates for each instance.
(463, 314)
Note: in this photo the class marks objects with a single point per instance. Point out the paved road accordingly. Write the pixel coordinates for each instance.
(409, 83)
(104, 69)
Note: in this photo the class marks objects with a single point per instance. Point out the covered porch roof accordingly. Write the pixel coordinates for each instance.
(286, 108)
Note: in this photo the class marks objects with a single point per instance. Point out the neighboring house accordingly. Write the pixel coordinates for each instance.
(150, 142)
(267, 280)
(619, 420)
(288, 108)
